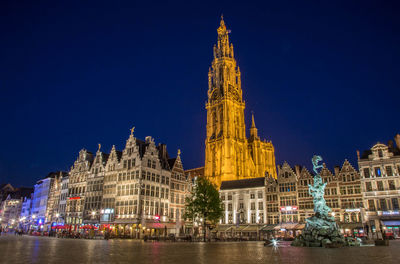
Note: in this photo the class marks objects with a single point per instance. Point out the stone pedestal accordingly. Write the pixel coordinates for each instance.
(322, 231)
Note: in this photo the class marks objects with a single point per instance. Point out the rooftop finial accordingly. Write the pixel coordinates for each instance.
(132, 130)
(253, 124)
(179, 152)
(99, 147)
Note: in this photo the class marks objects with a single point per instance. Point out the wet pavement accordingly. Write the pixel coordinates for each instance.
(26, 249)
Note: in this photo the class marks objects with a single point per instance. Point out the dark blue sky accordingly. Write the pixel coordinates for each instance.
(322, 77)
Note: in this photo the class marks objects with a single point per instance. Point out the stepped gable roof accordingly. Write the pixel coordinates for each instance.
(241, 184)
(119, 154)
(171, 162)
(142, 145)
(163, 156)
(105, 156)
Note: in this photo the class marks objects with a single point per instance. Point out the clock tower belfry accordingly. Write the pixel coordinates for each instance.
(228, 153)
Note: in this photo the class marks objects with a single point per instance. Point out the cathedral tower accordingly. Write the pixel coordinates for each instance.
(229, 154)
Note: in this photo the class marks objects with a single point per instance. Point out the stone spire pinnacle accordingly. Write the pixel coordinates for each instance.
(253, 129)
(253, 124)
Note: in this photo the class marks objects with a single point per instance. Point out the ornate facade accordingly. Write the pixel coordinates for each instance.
(230, 155)
(380, 182)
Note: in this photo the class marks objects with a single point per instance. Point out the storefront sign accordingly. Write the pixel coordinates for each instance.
(390, 213)
(75, 198)
(353, 210)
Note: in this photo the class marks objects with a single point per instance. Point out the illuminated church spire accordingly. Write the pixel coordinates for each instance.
(229, 155)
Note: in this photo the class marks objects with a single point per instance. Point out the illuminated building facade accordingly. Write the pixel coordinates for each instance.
(94, 188)
(229, 154)
(244, 207)
(53, 201)
(380, 177)
(77, 188)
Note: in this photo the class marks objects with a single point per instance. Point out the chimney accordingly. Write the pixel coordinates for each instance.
(397, 140)
(336, 170)
(162, 148)
(297, 169)
(390, 144)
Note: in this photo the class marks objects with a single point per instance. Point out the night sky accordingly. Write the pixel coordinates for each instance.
(321, 78)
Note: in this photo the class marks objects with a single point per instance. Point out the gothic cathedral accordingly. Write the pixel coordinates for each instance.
(229, 154)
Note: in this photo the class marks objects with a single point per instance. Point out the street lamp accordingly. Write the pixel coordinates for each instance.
(93, 213)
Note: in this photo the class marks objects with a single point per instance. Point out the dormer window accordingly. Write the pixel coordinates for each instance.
(380, 153)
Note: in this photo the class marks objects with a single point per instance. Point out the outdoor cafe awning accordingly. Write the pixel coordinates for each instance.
(288, 226)
(224, 228)
(251, 228)
(268, 227)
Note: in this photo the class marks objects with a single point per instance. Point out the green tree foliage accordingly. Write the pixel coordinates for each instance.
(204, 203)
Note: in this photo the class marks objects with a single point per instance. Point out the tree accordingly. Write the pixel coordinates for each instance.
(204, 203)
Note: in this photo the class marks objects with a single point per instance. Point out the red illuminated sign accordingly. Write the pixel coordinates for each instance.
(289, 208)
(75, 198)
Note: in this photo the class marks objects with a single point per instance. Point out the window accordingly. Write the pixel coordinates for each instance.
(253, 218)
(260, 195)
(353, 217)
(379, 185)
(391, 185)
(230, 207)
(395, 204)
(149, 163)
(260, 206)
(148, 176)
(377, 172)
(223, 197)
(241, 206)
(229, 196)
(382, 204)
(253, 206)
(252, 196)
(368, 186)
(380, 153)
(389, 171)
(261, 218)
(371, 205)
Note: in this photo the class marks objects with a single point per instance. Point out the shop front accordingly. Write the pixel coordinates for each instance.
(352, 229)
(391, 228)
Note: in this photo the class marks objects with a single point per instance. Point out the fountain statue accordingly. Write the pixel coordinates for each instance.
(321, 229)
